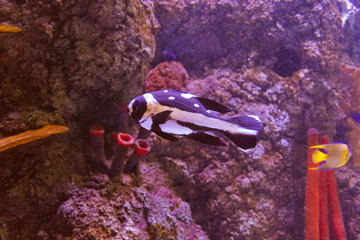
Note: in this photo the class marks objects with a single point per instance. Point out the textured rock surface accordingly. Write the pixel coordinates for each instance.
(119, 210)
(237, 33)
(71, 60)
(238, 195)
(349, 89)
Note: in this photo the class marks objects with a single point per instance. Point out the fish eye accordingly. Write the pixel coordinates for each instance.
(136, 105)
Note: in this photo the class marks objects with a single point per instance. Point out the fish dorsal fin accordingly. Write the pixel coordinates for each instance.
(212, 105)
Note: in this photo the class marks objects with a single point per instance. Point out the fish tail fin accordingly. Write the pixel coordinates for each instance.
(251, 125)
(242, 141)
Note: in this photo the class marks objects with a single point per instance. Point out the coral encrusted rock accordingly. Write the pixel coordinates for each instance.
(166, 75)
(258, 194)
(104, 209)
(284, 36)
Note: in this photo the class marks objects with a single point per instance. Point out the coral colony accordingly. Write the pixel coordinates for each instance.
(322, 205)
(166, 75)
(121, 144)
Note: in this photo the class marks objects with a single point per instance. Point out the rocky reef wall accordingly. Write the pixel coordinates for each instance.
(70, 63)
(237, 34)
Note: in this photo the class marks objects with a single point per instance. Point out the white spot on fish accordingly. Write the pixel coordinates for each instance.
(187, 95)
(196, 105)
(171, 98)
(165, 90)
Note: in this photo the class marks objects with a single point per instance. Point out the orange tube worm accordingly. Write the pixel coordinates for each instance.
(142, 147)
(323, 201)
(97, 145)
(336, 220)
(124, 143)
(312, 192)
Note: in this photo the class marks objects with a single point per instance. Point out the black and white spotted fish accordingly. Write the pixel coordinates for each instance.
(169, 112)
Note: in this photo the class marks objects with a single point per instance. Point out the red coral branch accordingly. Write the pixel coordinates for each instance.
(312, 192)
(323, 191)
(336, 220)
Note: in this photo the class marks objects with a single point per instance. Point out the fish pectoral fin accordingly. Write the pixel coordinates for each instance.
(165, 135)
(161, 117)
(206, 138)
(212, 105)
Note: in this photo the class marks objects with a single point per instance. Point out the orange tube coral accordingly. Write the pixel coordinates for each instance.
(142, 147)
(312, 192)
(336, 220)
(323, 201)
(124, 143)
(29, 136)
(97, 144)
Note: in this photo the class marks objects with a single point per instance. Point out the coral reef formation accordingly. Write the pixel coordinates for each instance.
(234, 179)
(166, 75)
(349, 96)
(122, 211)
(74, 60)
(235, 34)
